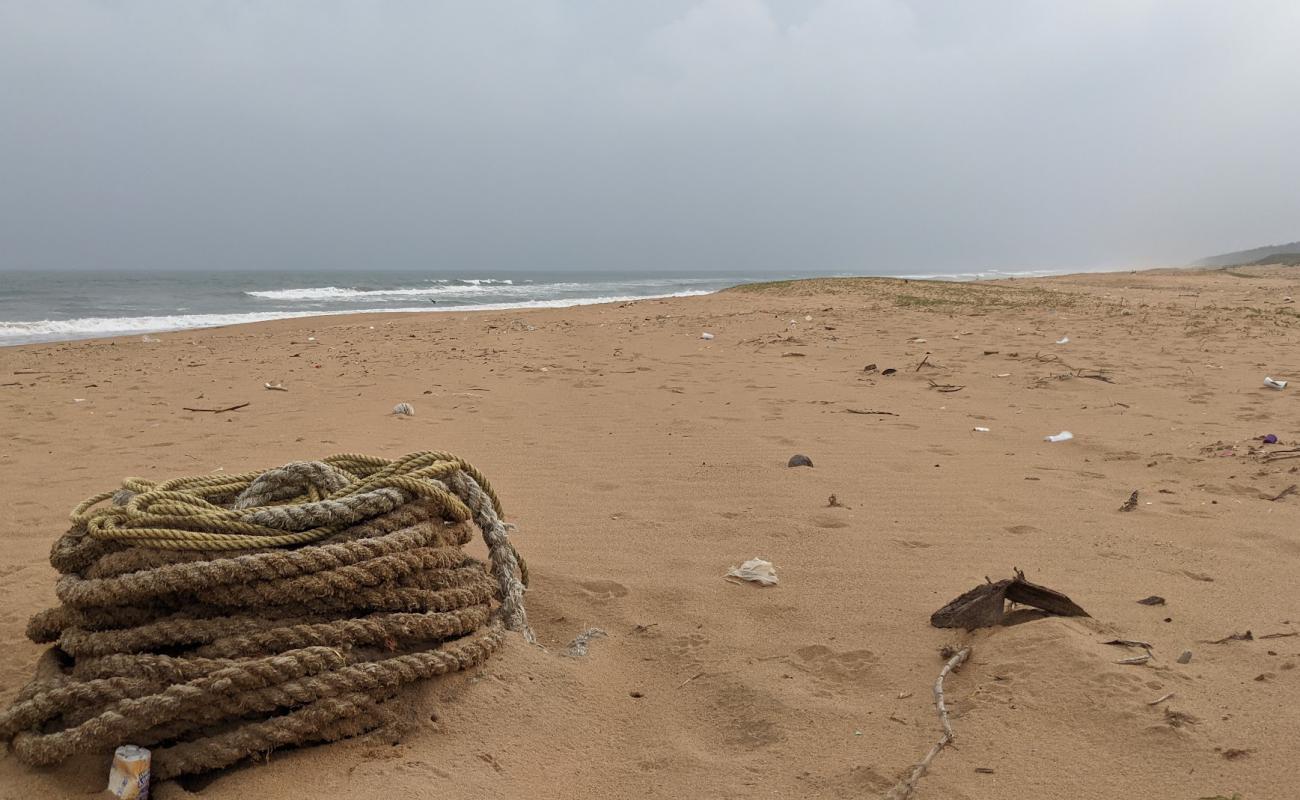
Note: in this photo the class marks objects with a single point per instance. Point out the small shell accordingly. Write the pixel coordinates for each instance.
(404, 409)
(798, 460)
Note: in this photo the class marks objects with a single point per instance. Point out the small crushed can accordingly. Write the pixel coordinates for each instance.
(128, 779)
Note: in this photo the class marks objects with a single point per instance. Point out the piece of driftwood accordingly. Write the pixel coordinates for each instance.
(905, 787)
(864, 411)
(985, 605)
(219, 410)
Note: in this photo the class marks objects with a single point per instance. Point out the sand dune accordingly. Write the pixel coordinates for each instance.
(640, 462)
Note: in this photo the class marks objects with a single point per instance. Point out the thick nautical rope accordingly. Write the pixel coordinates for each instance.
(217, 617)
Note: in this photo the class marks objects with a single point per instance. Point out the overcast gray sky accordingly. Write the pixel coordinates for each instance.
(868, 135)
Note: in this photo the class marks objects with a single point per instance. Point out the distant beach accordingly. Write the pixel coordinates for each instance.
(61, 306)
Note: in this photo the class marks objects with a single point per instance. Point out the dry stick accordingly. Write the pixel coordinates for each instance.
(905, 787)
(219, 410)
(1288, 490)
(922, 364)
(860, 411)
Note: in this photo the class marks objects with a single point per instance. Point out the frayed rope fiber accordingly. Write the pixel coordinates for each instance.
(213, 618)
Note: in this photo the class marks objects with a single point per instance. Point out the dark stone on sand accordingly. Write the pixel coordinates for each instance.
(798, 460)
(1153, 600)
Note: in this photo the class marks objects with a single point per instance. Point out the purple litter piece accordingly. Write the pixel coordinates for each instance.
(1270, 439)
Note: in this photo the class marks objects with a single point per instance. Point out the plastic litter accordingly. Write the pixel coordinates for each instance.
(128, 778)
(1063, 436)
(1063, 340)
(404, 409)
(1274, 383)
(755, 570)
(982, 430)
(706, 335)
(1269, 439)
(148, 338)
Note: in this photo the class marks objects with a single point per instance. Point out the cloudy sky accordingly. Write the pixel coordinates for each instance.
(865, 135)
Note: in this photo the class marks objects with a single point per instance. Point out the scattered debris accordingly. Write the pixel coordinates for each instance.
(984, 770)
(1153, 600)
(276, 387)
(1135, 660)
(906, 786)
(878, 413)
(688, 680)
(755, 570)
(219, 410)
(946, 387)
(1185, 657)
(799, 460)
(978, 429)
(888, 371)
(1063, 340)
(1160, 699)
(1234, 637)
(578, 647)
(1278, 635)
(1274, 384)
(869, 368)
(1063, 436)
(404, 410)
(834, 502)
(922, 364)
(1269, 438)
(1096, 376)
(984, 606)
(706, 336)
(793, 354)
(1131, 503)
(1234, 753)
(990, 352)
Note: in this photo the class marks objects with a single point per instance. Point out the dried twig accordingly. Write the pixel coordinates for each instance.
(946, 387)
(1160, 699)
(905, 787)
(922, 364)
(219, 410)
(1279, 635)
(862, 411)
(1232, 637)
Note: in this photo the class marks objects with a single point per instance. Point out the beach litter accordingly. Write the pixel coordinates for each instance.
(706, 336)
(404, 410)
(984, 606)
(128, 777)
(869, 368)
(276, 387)
(980, 430)
(755, 570)
(1153, 600)
(799, 460)
(1063, 340)
(888, 371)
(578, 647)
(360, 547)
(1274, 383)
(1131, 503)
(1269, 439)
(1063, 436)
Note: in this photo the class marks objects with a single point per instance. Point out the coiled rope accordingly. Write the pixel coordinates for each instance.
(213, 618)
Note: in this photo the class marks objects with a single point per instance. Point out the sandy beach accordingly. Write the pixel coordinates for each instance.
(640, 462)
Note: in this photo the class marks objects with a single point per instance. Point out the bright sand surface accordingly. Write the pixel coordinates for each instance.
(640, 462)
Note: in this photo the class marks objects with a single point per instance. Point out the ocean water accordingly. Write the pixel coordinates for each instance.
(58, 306)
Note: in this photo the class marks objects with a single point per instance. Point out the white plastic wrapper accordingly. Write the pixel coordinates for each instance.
(1063, 436)
(756, 570)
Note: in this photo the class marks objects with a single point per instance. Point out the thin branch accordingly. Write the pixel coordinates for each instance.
(905, 787)
(219, 410)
